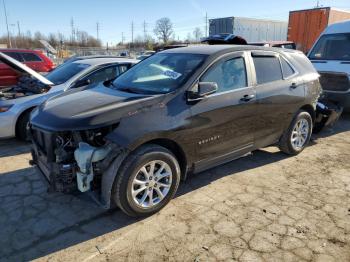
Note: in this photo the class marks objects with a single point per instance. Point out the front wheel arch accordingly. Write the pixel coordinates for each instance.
(20, 118)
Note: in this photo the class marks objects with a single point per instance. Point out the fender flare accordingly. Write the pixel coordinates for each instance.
(108, 178)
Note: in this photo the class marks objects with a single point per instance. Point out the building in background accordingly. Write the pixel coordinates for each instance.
(305, 26)
(253, 30)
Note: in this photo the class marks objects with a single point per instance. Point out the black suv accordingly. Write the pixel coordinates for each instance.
(130, 141)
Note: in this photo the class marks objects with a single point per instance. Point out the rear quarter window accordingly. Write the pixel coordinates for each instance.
(268, 69)
(287, 70)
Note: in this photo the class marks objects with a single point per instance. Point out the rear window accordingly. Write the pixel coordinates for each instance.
(30, 57)
(332, 47)
(268, 69)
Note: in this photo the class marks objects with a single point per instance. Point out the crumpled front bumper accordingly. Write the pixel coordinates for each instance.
(62, 177)
(59, 177)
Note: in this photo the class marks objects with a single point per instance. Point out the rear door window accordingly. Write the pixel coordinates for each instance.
(268, 69)
(30, 57)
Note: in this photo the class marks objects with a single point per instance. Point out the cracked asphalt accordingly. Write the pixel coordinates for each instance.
(263, 207)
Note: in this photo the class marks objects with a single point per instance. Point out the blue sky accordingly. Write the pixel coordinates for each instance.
(115, 16)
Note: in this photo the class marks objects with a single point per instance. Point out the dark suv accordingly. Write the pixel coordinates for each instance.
(181, 111)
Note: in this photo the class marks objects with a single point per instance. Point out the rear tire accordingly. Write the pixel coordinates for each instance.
(297, 136)
(21, 127)
(146, 181)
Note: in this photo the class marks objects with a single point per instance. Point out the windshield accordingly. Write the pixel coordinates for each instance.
(160, 73)
(332, 47)
(64, 72)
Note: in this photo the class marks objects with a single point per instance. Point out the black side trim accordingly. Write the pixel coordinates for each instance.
(216, 161)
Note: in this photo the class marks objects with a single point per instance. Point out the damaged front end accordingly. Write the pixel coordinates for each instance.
(75, 160)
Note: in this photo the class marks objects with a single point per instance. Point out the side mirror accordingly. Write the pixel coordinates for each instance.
(203, 89)
(82, 82)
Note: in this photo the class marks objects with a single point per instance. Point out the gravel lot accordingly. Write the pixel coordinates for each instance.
(264, 207)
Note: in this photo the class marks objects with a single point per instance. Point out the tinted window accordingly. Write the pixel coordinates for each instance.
(123, 68)
(286, 68)
(268, 69)
(103, 74)
(332, 47)
(64, 72)
(160, 73)
(289, 46)
(30, 57)
(229, 74)
(14, 55)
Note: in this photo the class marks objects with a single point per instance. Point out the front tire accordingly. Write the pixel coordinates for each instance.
(21, 127)
(147, 181)
(297, 136)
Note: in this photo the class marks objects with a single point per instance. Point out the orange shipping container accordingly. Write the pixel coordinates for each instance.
(305, 26)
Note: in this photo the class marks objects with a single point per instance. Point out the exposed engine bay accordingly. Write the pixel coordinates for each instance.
(26, 86)
(78, 159)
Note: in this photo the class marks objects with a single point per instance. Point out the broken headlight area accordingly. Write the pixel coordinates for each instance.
(26, 86)
(73, 160)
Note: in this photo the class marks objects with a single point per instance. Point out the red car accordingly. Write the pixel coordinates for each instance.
(32, 58)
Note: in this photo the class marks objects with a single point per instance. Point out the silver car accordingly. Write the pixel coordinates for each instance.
(17, 102)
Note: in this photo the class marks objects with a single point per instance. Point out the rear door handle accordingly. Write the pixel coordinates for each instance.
(247, 98)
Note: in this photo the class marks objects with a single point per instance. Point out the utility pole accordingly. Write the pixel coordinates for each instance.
(123, 38)
(132, 32)
(7, 26)
(206, 24)
(14, 33)
(98, 30)
(73, 30)
(18, 28)
(144, 30)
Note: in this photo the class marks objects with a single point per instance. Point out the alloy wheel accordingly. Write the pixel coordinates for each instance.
(300, 134)
(151, 184)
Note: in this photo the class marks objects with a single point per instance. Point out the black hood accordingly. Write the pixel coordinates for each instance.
(89, 109)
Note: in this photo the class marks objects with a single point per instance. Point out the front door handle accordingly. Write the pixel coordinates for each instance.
(293, 85)
(247, 98)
